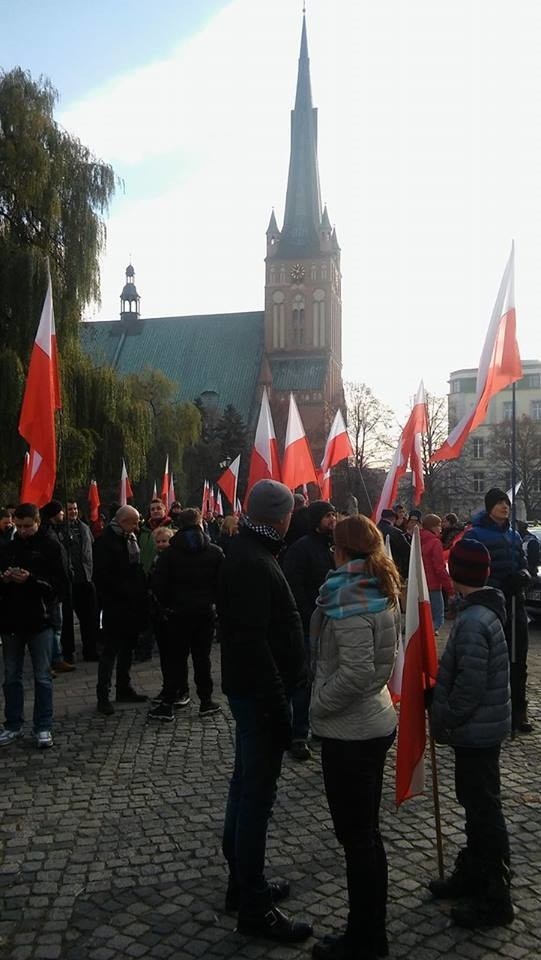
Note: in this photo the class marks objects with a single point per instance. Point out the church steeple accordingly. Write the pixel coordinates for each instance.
(130, 301)
(302, 217)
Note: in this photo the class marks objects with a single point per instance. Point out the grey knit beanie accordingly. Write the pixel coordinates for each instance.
(269, 500)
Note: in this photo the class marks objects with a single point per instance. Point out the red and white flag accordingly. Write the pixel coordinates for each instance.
(228, 481)
(125, 487)
(41, 400)
(164, 492)
(171, 496)
(238, 508)
(408, 451)
(211, 499)
(414, 672)
(205, 498)
(26, 464)
(325, 484)
(154, 491)
(218, 506)
(297, 466)
(338, 446)
(264, 461)
(93, 501)
(500, 364)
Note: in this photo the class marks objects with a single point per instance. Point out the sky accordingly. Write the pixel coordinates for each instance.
(429, 125)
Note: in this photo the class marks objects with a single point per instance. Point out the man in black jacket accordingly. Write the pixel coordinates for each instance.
(400, 548)
(121, 585)
(262, 664)
(77, 541)
(306, 564)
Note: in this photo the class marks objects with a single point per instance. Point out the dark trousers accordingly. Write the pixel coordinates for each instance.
(119, 639)
(477, 785)
(252, 791)
(300, 703)
(83, 602)
(353, 777)
(185, 634)
(518, 655)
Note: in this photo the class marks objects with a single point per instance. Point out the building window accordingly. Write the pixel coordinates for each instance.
(478, 482)
(478, 448)
(536, 409)
(318, 318)
(323, 271)
(313, 272)
(455, 386)
(282, 274)
(272, 276)
(532, 381)
(536, 482)
(278, 321)
(507, 408)
(298, 320)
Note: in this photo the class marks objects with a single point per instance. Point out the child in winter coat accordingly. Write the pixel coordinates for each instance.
(437, 578)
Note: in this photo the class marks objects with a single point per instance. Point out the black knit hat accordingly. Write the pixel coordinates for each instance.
(469, 563)
(495, 496)
(388, 514)
(316, 511)
(51, 509)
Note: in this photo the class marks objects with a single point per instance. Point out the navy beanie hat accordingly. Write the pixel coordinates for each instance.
(469, 563)
(495, 496)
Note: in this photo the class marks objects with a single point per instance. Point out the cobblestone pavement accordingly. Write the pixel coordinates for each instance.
(111, 841)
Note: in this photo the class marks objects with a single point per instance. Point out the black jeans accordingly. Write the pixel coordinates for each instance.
(258, 761)
(83, 602)
(353, 776)
(187, 633)
(477, 785)
(119, 639)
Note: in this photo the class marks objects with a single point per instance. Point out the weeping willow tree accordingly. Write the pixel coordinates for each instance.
(53, 196)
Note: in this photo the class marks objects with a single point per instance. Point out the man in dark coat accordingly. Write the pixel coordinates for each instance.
(262, 664)
(471, 711)
(508, 573)
(306, 564)
(121, 585)
(185, 584)
(77, 540)
(400, 548)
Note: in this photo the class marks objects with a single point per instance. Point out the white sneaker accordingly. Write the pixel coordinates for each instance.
(8, 736)
(44, 738)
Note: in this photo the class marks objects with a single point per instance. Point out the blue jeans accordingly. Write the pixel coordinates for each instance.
(252, 791)
(40, 647)
(436, 605)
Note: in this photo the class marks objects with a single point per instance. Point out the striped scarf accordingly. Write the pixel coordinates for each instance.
(348, 591)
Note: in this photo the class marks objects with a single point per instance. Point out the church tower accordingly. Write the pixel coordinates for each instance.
(303, 308)
(130, 301)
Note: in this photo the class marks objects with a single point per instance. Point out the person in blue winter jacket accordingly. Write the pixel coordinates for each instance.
(508, 572)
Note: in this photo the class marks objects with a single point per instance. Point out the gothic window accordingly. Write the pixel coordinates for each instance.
(272, 277)
(323, 271)
(313, 272)
(278, 321)
(298, 320)
(282, 274)
(318, 318)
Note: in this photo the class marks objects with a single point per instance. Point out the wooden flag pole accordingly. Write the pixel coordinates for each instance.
(437, 815)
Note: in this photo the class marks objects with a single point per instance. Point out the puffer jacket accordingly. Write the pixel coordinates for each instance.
(354, 659)
(504, 546)
(472, 699)
(437, 577)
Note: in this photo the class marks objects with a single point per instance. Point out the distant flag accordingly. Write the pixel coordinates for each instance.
(228, 481)
(218, 507)
(297, 466)
(415, 671)
(93, 501)
(26, 464)
(41, 400)
(212, 498)
(164, 492)
(500, 364)
(125, 487)
(407, 451)
(205, 498)
(512, 494)
(338, 446)
(171, 491)
(154, 491)
(264, 461)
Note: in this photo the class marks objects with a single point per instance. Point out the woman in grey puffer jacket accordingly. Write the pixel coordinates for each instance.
(354, 634)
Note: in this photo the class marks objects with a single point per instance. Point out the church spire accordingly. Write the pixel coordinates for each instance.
(302, 217)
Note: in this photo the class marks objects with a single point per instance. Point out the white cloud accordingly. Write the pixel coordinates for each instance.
(429, 151)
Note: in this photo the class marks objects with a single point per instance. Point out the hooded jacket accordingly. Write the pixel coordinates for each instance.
(471, 706)
(504, 546)
(185, 578)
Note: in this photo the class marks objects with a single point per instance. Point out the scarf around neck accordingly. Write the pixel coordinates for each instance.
(349, 591)
(132, 544)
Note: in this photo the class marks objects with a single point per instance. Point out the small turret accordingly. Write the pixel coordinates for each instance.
(130, 301)
(273, 235)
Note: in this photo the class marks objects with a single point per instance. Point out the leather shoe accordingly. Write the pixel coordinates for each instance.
(340, 948)
(279, 891)
(130, 696)
(274, 925)
(105, 707)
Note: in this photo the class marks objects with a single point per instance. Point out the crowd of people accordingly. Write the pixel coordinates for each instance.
(306, 605)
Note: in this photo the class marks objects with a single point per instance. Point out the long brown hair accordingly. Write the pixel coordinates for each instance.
(358, 537)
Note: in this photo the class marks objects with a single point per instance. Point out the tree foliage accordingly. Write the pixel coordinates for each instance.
(369, 423)
(223, 437)
(527, 457)
(435, 474)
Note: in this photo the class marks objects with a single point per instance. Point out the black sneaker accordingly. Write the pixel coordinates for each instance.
(300, 750)
(162, 711)
(130, 696)
(279, 890)
(159, 698)
(208, 707)
(105, 707)
(182, 700)
(274, 925)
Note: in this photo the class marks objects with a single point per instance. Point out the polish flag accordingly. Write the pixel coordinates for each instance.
(164, 492)
(171, 497)
(238, 508)
(154, 491)
(218, 507)
(409, 450)
(414, 672)
(228, 481)
(41, 400)
(500, 364)
(338, 446)
(125, 487)
(205, 498)
(297, 465)
(264, 462)
(93, 501)
(26, 464)
(325, 484)
(211, 499)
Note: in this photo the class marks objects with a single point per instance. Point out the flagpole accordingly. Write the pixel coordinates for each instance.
(437, 814)
(514, 527)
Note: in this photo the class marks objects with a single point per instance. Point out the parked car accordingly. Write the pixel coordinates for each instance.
(533, 590)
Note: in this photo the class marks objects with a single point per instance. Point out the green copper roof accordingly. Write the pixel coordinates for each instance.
(215, 352)
(307, 373)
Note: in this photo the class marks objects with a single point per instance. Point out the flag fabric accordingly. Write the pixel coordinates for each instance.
(41, 400)
(171, 497)
(238, 508)
(338, 446)
(125, 487)
(407, 451)
(93, 501)
(500, 364)
(218, 507)
(415, 671)
(154, 491)
(264, 461)
(211, 499)
(297, 466)
(325, 484)
(205, 498)
(228, 481)
(26, 464)
(164, 492)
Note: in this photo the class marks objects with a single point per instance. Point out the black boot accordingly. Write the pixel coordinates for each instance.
(521, 721)
(343, 947)
(274, 925)
(279, 891)
(129, 695)
(463, 882)
(492, 907)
